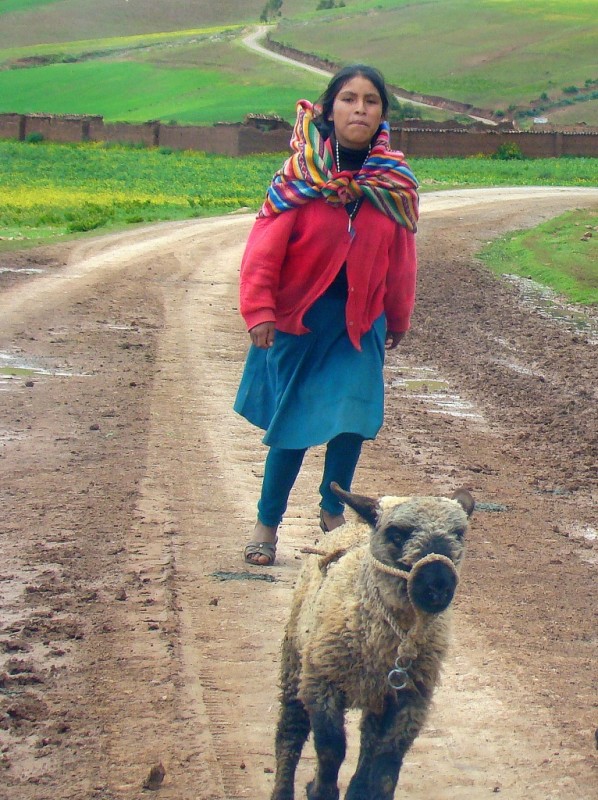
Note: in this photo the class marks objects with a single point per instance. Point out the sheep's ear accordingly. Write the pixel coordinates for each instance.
(366, 507)
(465, 500)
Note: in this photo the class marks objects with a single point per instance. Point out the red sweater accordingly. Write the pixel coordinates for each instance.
(292, 258)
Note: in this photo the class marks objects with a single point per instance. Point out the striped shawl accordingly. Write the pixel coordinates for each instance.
(384, 179)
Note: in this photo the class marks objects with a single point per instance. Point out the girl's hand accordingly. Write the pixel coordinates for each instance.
(262, 335)
(393, 338)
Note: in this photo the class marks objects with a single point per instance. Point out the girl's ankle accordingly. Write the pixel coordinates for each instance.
(264, 533)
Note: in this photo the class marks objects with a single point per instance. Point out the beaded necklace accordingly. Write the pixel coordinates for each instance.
(356, 203)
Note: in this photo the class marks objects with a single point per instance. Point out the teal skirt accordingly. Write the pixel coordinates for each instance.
(307, 389)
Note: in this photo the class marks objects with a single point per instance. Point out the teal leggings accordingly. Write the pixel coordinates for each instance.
(282, 467)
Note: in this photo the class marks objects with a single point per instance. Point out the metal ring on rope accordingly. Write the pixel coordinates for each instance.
(398, 678)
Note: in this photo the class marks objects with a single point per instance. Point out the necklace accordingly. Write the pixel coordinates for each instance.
(356, 203)
(351, 214)
(338, 156)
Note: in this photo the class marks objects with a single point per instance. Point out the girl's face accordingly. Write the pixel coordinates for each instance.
(356, 113)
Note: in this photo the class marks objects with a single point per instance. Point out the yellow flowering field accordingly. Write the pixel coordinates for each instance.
(52, 189)
(49, 190)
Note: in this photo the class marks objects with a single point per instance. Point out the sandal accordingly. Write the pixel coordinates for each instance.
(256, 550)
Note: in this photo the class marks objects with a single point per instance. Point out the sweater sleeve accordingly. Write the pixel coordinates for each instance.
(401, 280)
(260, 267)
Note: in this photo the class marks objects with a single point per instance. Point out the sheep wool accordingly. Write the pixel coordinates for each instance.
(369, 627)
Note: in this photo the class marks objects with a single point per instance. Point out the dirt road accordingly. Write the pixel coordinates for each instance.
(131, 633)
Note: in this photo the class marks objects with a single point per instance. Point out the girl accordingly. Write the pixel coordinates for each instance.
(327, 283)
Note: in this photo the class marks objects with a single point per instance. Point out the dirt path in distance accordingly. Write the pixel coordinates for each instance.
(128, 486)
(252, 42)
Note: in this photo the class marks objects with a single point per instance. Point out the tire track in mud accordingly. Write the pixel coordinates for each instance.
(196, 369)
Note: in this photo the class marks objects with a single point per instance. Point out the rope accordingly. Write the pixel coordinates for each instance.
(398, 573)
(409, 641)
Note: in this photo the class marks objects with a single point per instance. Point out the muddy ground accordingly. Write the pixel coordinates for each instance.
(131, 632)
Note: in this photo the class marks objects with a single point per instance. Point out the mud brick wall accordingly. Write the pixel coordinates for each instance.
(223, 139)
(230, 140)
(146, 133)
(419, 143)
(55, 128)
(241, 139)
(12, 126)
(571, 144)
(252, 141)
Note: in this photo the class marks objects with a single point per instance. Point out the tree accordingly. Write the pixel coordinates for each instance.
(271, 9)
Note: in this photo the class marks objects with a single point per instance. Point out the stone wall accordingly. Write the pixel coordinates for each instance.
(246, 139)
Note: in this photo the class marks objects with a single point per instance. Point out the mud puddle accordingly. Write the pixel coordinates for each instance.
(425, 385)
(21, 271)
(13, 367)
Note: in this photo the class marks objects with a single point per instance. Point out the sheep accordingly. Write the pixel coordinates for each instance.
(368, 629)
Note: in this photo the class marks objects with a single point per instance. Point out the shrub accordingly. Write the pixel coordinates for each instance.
(271, 9)
(87, 218)
(399, 111)
(83, 225)
(34, 138)
(508, 152)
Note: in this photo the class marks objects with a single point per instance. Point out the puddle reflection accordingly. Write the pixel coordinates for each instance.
(424, 385)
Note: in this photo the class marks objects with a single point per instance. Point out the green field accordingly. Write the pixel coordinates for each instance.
(138, 60)
(52, 191)
(198, 76)
(141, 90)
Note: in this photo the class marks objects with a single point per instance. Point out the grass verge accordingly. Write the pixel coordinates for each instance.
(561, 254)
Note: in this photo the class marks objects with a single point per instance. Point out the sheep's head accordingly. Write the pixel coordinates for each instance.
(406, 530)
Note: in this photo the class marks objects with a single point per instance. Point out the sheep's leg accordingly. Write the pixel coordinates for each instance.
(293, 726)
(385, 738)
(328, 726)
(292, 731)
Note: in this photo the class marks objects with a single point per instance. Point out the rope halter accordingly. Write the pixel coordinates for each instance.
(409, 641)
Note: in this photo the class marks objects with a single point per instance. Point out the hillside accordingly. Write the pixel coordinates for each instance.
(140, 59)
(538, 56)
(32, 22)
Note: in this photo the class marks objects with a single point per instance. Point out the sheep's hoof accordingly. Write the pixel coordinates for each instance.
(331, 793)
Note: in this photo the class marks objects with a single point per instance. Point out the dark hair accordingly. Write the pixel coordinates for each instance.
(337, 82)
